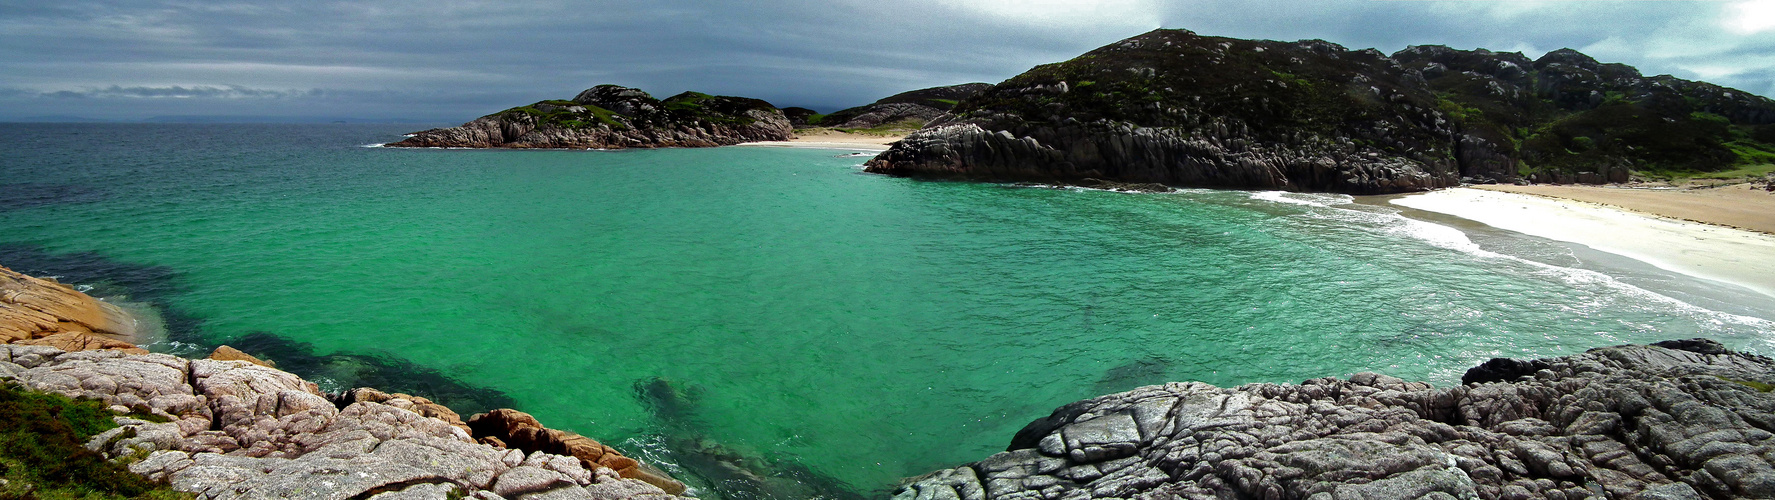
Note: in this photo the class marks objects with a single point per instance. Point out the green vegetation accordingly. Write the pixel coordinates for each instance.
(1575, 116)
(901, 127)
(42, 452)
(592, 116)
(1759, 386)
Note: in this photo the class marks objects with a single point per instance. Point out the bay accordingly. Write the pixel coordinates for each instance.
(825, 331)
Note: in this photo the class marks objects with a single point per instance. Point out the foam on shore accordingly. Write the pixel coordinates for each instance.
(1716, 253)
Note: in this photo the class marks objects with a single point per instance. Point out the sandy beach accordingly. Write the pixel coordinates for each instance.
(1738, 206)
(1670, 240)
(832, 139)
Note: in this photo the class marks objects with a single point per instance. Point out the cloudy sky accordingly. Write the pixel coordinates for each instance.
(451, 60)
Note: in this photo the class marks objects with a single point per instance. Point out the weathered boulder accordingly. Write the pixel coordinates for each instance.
(518, 430)
(225, 353)
(1685, 419)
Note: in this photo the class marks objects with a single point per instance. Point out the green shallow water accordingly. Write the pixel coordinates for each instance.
(842, 328)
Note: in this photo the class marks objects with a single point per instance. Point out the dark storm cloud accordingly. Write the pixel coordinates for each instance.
(452, 60)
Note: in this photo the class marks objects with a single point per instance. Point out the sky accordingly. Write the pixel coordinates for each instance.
(449, 61)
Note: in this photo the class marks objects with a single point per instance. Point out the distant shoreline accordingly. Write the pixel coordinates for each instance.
(831, 139)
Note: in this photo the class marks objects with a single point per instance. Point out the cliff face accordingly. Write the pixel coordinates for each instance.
(613, 117)
(1176, 108)
(1679, 419)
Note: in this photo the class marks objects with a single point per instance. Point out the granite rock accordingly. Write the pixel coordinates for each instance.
(1685, 419)
(239, 430)
(44, 312)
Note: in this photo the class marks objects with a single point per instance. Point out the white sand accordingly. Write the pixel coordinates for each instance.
(848, 146)
(1717, 253)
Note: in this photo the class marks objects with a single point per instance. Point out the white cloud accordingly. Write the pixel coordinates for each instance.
(1070, 13)
(1750, 17)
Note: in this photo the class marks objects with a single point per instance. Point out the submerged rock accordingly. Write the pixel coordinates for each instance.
(1683, 419)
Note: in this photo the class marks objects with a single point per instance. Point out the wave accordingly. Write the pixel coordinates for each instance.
(1343, 210)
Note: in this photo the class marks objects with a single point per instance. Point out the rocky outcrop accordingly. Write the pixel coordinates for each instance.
(1682, 419)
(613, 117)
(515, 429)
(39, 311)
(915, 108)
(233, 429)
(226, 353)
(1177, 108)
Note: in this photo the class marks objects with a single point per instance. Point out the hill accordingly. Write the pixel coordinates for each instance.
(614, 117)
(1178, 108)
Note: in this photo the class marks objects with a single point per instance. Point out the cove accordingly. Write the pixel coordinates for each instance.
(831, 331)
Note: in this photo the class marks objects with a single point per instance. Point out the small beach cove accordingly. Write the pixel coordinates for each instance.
(839, 328)
(1665, 234)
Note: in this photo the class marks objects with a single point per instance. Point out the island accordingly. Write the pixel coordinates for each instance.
(615, 117)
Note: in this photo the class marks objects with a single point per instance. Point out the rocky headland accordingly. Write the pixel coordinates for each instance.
(38, 311)
(232, 426)
(1680, 419)
(614, 117)
(1177, 108)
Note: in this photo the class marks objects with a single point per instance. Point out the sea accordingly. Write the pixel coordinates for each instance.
(777, 323)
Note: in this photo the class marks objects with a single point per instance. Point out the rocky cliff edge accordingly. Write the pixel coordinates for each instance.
(1681, 419)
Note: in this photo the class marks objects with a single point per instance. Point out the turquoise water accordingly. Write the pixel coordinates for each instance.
(838, 330)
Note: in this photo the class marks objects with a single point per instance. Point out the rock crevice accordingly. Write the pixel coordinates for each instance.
(1684, 419)
(234, 429)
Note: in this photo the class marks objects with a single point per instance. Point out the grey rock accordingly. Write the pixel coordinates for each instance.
(529, 479)
(243, 431)
(1620, 422)
(426, 491)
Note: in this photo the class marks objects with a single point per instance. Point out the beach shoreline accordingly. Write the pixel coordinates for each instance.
(1685, 245)
(831, 139)
(1740, 206)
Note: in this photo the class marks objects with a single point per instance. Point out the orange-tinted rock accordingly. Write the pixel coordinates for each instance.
(519, 430)
(411, 403)
(225, 353)
(75, 341)
(43, 307)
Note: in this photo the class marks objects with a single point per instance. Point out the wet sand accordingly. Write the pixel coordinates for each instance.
(1708, 251)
